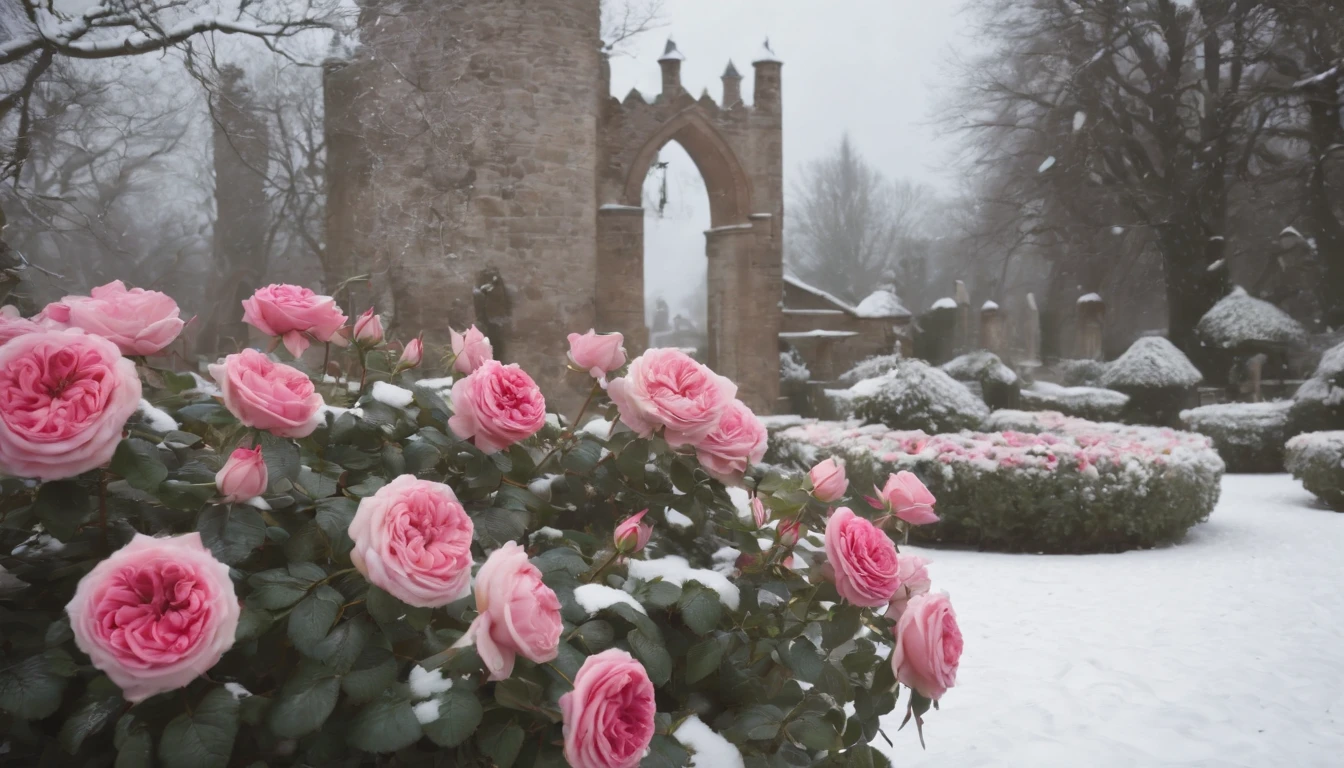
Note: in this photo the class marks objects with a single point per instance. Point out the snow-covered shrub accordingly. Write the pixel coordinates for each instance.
(870, 369)
(999, 385)
(1317, 459)
(1091, 403)
(1066, 485)
(1240, 319)
(313, 603)
(1080, 373)
(1249, 436)
(1318, 404)
(1159, 379)
(915, 395)
(792, 368)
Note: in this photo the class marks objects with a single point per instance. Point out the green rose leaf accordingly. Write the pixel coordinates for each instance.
(32, 688)
(518, 693)
(305, 702)
(813, 733)
(655, 658)
(204, 737)
(384, 725)
(231, 531)
(312, 618)
(374, 671)
(460, 713)
(137, 462)
(700, 608)
(62, 506)
(98, 707)
(703, 659)
(501, 742)
(135, 747)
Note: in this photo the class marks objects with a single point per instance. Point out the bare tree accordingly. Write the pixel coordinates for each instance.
(850, 223)
(624, 20)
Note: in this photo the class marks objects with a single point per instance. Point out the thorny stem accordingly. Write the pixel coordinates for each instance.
(102, 507)
(363, 368)
(570, 432)
(326, 355)
(604, 567)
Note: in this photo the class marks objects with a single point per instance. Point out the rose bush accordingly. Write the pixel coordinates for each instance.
(352, 566)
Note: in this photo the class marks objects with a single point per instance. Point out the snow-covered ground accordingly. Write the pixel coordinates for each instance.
(1225, 650)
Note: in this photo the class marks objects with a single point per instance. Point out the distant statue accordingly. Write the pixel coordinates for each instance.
(1032, 332)
(660, 315)
(494, 309)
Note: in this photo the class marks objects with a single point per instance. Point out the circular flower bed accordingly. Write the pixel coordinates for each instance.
(1045, 483)
(1317, 459)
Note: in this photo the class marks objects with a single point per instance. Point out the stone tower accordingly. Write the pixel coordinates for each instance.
(479, 172)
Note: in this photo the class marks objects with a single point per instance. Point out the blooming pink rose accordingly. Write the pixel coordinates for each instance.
(631, 535)
(243, 476)
(156, 614)
(413, 540)
(139, 322)
(412, 354)
(517, 613)
(290, 312)
(470, 349)
(863, 558)
(907, 498)
(665, 388)
(736, 442)
(914, 573)
(597, 353)
(12, 325)
(759, 514)
(498, 405)
(64, 398)
(369, 329)
(828, 481)
(928, 645)
(608, 717)
(268, 395)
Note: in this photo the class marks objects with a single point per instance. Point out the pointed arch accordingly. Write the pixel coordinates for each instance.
(726, 181)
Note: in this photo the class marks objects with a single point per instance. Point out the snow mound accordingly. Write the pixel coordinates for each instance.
(1089, 298)
(792, 368)
(1241, 318)
(391, 394)
(881, 303)
(870, 369)
(946, 302)
(708, 749)
(676, 570)
(915, 395)
(1084, 402)
(982, 366)
(1317, 459)
(1152, 362)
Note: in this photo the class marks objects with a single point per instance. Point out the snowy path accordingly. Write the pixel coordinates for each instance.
(1226, 650)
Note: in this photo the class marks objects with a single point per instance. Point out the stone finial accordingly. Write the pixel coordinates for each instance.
(671, 52)
(670, 62)
(766, 55)
(732, 86)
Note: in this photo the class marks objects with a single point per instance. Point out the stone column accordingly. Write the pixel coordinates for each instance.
(1031, 337)
(1091, 311)
(992, 336)
(620, 275)
(738, 347)
(963, 341)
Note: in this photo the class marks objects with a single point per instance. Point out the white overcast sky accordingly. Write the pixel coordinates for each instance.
(878, 69)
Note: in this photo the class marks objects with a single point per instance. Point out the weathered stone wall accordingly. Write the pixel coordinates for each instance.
(463, 142)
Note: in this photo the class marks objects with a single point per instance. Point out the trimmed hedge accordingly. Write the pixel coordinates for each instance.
(999, 385)
(915, 395)
(1249, 436)
(1317, 459)
(1091, 403)
(1067, 486)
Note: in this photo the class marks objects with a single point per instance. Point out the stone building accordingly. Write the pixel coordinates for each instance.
(832, 336)
(480, 171)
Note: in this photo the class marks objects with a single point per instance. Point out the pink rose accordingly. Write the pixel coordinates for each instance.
(470, 349)
(863, 558)
(243, 476)
(828, 481)
(413, 540)
(736, 442)
(914, 574)
(156, 614)
(928, 646)
(139, 322)
(907, 498)
(64, 398)
(597, 353)
(268, 395)
(608, 717)
(518, 614)
(12, 325)
(665, 388)
(759, 514)
(290, 312)
(369, 329)
(498, 405)
(631, 535)
(789, 532)
(411, 355)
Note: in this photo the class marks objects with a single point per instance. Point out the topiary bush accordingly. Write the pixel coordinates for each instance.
(352, 567)
(1091, 403)
(1159, 379)
(915, 395)
(1000, 386)
(1249, 436)
(1080, 373)
(1067, 485)
(871, 368)
(1318, 404)
(1317, 459)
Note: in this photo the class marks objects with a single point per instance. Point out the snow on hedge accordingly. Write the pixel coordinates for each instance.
(981, 365)
(1249, 436)
(1058, 484)
(1084, 402)
(1241, 318)
(870, 369)
(1152, 362)
(792, 368)
(881, 303)
(1317, 459)
(915, 395)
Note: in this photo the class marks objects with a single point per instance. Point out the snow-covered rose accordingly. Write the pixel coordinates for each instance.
(666, 389)
(470, 349)
(293, 313)
(498, 405)
(413, 540)
(863, 558)
(928, 645)
(597, 353)
(516, 613)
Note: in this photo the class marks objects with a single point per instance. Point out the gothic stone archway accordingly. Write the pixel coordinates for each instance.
(738, 152)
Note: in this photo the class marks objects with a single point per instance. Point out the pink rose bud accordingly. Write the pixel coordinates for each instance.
(789, 532)
(598, 354)
(759, 514)
(156, 614)
(369, 329)
(412, 354)
(516, 613)
(413, 540)
(294, 313)
(267, 395)
(915, 580)
(907, 498)
(609, 716)
(736, 442)
(138, 321)
(928, 646)
(665, 389)
(863, 558)
(243, 476)
(631, 535)
(66, 396)
(470, 349)
(828, 481)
